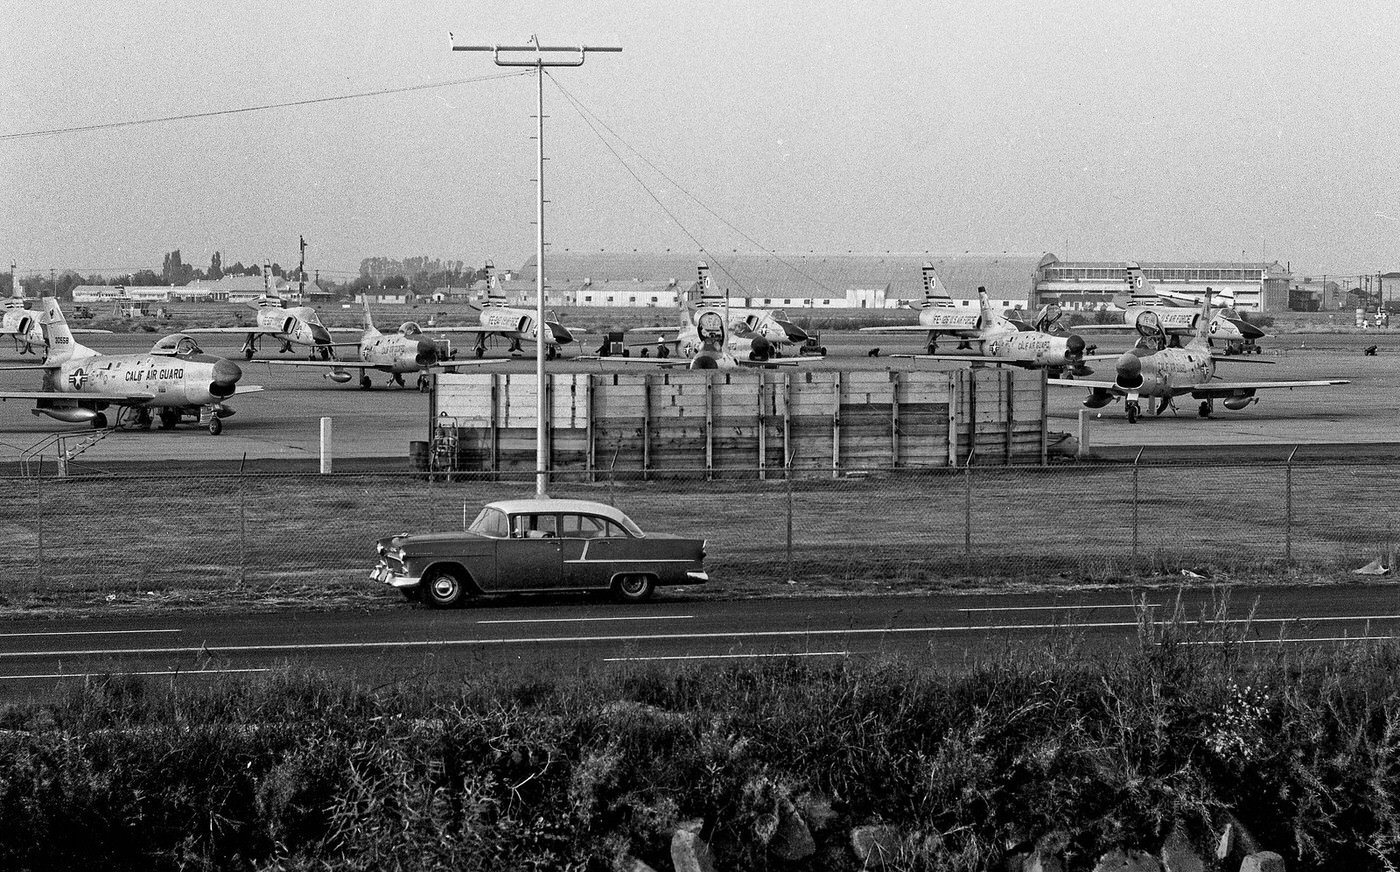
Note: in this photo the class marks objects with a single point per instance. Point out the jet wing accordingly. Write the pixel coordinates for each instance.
(1085, 383)
(360, 364)
(75, 397)
(1225, 389)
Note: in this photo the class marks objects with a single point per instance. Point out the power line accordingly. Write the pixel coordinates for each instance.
(589, 117)
(88, 128)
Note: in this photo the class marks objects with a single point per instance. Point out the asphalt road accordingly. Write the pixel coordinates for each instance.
(38, 656)
(373, 429)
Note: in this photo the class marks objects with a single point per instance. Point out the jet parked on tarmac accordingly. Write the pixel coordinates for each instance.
(1003, 341)
(938, 317)
(771, 324)
(22, 324)
(404, 351)
(294, 326)
(706, 341)
(1178, 314)
(175, 380)
(1154, 370)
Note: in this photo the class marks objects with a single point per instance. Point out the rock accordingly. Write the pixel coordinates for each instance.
(1262, 861)
(791, 839)
(1179, 854)
(1042, 860)
(875, 845)
(1119, 860)
(632, 864)
(689, 853)
(1236, 842)
(817, 810)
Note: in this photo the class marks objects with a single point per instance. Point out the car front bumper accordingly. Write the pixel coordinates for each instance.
(386, 575)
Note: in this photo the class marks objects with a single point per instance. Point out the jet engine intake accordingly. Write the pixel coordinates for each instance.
(760, 349)
(705, 360)
(427, 353)
(225, 380)
(1129, 371)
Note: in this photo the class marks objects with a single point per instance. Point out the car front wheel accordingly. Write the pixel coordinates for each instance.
(633, 588)
(444, 589)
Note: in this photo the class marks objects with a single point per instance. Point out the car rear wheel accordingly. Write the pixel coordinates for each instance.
(633, 588)
(444, 589)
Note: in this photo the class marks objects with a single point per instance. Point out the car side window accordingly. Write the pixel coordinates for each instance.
(534, 526)
(614, 531)
(583, 526)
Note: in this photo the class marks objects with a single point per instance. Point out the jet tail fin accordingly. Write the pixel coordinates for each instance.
(935, 292)
(369, 319)
(62, 346)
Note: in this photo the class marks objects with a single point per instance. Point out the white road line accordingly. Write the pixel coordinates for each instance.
(83, 633)
(1059, 608)
(217, 649)
(181, 672)
(726, 656)
(587, 620)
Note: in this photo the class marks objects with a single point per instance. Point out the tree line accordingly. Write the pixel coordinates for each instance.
(419, 275)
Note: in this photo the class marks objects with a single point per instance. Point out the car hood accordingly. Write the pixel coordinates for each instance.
(432, 540)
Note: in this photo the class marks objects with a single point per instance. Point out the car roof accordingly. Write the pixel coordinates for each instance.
(519, 507)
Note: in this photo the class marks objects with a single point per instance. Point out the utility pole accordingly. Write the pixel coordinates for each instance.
(539, 62)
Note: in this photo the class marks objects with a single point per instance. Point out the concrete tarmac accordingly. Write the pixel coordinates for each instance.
(372, 429)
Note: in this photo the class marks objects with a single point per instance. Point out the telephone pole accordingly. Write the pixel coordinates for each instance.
(539, 61)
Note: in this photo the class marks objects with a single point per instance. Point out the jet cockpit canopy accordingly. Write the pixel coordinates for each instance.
(177, 345)
(410, 328)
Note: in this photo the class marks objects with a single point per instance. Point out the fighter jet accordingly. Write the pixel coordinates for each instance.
(1003, 341)
(938, 317)
(295, 326)
(1155, 370)
(705, 340)
(771, 324)
(404, 351)
(1178, 314)
(22, 324)
(175, 380)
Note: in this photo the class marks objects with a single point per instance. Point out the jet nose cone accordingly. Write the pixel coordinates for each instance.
(794, 333)
(1129, 370)
(320, 334)
(561, 333)
(226, 376)
(427, 353)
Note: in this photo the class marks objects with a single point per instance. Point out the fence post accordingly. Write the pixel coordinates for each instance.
(790, 578)
(1288, 509)
(39, 523)
(1135, 504)
(967, 515)
(242, 532)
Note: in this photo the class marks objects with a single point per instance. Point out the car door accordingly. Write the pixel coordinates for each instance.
(585, 564)
(530, 559)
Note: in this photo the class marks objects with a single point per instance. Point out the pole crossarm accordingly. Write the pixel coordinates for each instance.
(539, 51)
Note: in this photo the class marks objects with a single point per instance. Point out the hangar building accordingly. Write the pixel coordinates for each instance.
(789, 281)
(878, 281)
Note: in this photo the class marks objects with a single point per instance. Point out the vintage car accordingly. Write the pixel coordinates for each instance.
(537, 545)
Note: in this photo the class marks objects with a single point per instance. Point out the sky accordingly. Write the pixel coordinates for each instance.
(1170, 131)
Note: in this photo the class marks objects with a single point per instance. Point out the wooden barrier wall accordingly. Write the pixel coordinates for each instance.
(745, 420)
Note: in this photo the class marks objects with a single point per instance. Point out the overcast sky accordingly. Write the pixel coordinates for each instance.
(1107, 131)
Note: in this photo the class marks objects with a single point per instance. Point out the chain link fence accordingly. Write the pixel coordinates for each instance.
(70, 539)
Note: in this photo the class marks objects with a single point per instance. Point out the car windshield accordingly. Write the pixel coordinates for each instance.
(490, 522)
